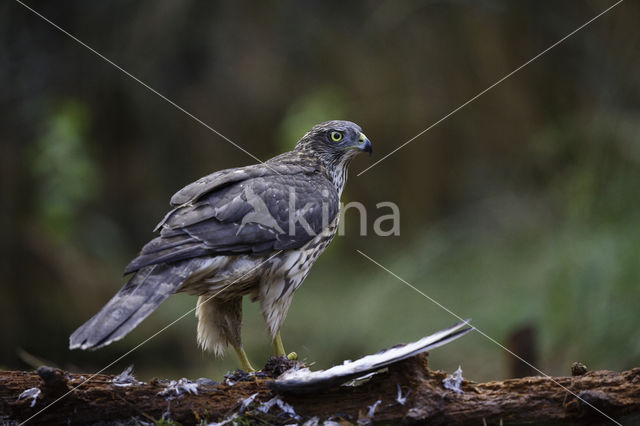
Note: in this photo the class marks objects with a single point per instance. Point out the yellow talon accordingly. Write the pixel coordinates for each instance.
(244, 360)
(279, 349)
(278, 346)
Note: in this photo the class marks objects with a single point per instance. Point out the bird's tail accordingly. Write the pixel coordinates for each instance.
(141, 295)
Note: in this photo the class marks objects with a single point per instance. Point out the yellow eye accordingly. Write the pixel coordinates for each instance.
(336, 136)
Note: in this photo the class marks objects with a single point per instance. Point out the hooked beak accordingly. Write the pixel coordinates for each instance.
(365, 144)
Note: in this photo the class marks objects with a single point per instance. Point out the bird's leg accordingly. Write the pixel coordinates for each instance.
(244, 360)
(279, 348)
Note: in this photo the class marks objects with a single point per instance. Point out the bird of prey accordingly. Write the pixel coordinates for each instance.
(253, 230)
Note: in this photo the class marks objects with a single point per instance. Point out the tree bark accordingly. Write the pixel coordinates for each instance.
(529, 399)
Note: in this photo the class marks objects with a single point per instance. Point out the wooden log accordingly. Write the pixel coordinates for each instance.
(406, 392)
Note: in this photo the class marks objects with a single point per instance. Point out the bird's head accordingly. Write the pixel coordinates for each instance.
(335, 142)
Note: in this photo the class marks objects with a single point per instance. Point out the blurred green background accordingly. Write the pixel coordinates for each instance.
(521, 211)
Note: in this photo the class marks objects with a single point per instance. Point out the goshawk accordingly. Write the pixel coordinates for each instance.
(254, 230)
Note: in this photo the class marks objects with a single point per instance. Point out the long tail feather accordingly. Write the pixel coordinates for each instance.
(140, 296)
(304, 380)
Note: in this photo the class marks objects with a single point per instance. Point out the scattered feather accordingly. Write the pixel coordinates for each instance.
(30, 393)
(180, 387)
(365, 420)
(453, 381)
(265, 407)
(247, 401)
(125, 378)
(372, 408)
(402, 399)
(284, 407)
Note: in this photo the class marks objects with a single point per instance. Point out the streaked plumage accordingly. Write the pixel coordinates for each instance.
(230, 234)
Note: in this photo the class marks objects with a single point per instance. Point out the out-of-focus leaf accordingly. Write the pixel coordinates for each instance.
(62, 165)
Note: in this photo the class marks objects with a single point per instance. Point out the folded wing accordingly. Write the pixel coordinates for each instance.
(256, 215)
